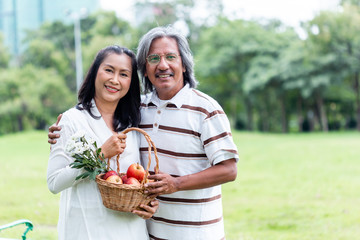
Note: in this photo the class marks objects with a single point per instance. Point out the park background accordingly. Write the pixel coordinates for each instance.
(291, 94)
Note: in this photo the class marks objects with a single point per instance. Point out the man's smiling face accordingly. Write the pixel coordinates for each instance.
(166, 77)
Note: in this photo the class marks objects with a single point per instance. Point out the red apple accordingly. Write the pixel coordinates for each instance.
(124, 178)
(114, 179)
(137, 171)
(132, 181)
(108, 174)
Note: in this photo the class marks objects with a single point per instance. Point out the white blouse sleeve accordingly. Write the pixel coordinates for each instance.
(60, 175)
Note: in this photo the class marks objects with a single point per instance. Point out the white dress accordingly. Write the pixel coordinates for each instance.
(82, 215)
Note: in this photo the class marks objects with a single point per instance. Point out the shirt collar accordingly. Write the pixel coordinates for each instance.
(177, 100)
(94, 108)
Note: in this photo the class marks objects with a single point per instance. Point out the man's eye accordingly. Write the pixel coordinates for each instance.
(154, 59)
(170, 57)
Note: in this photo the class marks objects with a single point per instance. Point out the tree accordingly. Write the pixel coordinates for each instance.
(180, 13)
(308, 72)
(337, 33)
(237, 65)
(223, 57)
(350, 2)
(34, 102)
(52, 46)
(263, 78)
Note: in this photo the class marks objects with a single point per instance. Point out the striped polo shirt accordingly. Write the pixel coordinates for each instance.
(191, 133)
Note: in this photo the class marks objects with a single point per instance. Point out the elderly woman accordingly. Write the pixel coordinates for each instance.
(108, 102)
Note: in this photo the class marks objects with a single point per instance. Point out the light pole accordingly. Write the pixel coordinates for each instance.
(13, 43)
(77, 37)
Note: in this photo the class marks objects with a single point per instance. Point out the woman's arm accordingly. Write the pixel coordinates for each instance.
(59, 174)
(149, 211)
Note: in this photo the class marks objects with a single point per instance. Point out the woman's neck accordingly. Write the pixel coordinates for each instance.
(107, 113)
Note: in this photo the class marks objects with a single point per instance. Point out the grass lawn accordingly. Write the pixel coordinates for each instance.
(24, 192)
(289, 187)
(295, 187)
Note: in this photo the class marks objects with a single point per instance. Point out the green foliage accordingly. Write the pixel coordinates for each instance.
(90, 159)
(222, 58)
(107, 24)
(30, 98)
(336, 34)
(99, 42)
(351, 2)
(261, 72)
(52, 46)
(236, 58)
(162, 13)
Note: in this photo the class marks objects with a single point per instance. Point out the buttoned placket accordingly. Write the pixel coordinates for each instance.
(157, 117)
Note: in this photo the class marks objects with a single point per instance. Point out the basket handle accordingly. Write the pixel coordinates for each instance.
(151, 145)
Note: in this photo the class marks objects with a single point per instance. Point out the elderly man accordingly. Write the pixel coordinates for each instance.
(193, 138)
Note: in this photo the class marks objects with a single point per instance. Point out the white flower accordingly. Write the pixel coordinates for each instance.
(78, 135)
(70, 147)
(91, 141)
(79, 148)
(86, 155)
(77, 144)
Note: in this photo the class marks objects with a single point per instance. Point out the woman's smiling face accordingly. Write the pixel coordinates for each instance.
(113, 78)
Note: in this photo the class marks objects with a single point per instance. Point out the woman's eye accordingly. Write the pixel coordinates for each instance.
(123, 74)
(109, 70)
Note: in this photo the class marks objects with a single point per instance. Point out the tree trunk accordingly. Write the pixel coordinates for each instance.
(357, 94)
(322, 113)
(20, 123)
(265, 119)
(312, 118)
(284, 122)
(233, 100)
(249, 114)
(299, 110)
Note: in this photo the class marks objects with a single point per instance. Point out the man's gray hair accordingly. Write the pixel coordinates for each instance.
(185, 53)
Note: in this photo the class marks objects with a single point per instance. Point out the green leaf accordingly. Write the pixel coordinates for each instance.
(83, 176)
(90, 161)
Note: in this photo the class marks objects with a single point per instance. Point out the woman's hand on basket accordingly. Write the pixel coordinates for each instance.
(149, 211)
(114, 145)
(163, 184)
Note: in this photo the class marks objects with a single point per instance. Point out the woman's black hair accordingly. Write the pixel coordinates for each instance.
(127, 113)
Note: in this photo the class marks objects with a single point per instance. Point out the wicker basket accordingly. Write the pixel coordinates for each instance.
(125, 197)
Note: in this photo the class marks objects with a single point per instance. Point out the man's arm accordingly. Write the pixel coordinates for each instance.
(220, 173)
(55, 127)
